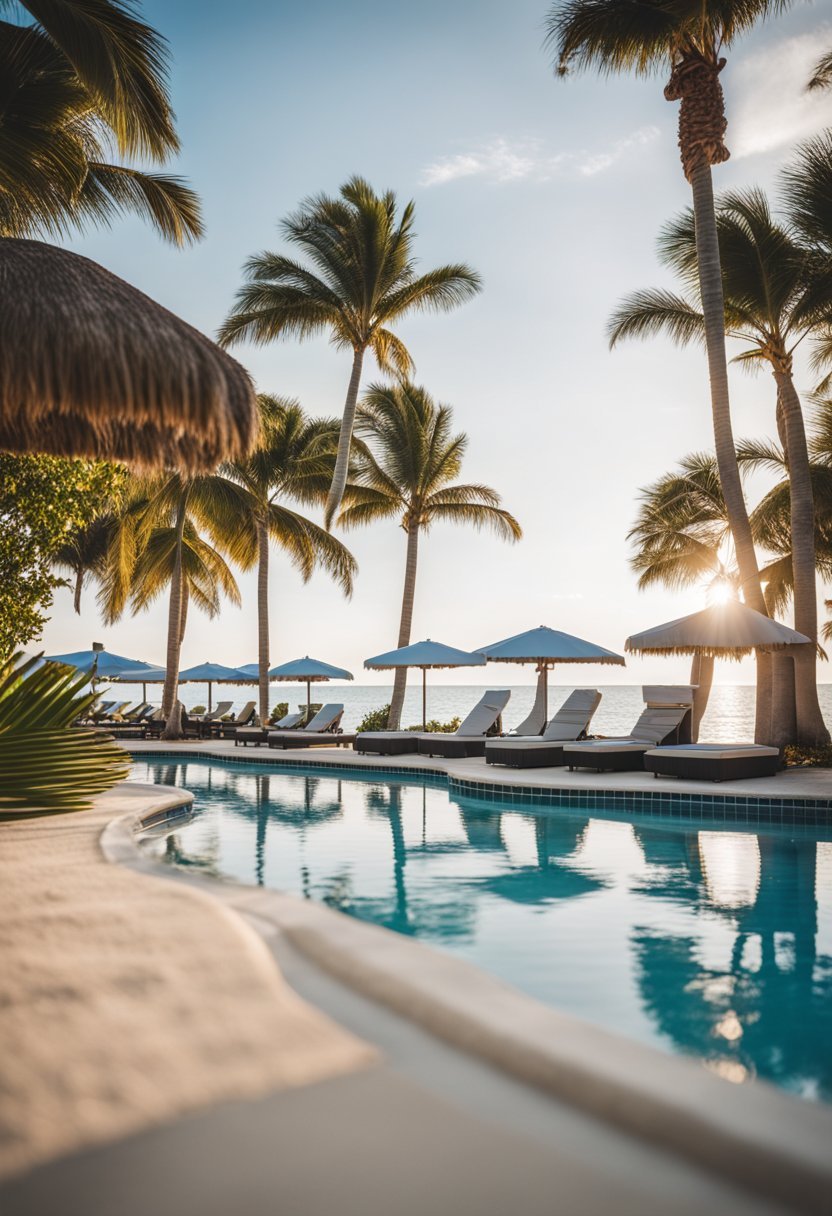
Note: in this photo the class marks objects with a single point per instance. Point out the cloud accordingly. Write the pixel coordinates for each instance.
(501, 160)
(768, 106)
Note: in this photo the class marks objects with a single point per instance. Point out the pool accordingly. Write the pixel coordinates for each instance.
(710, 942)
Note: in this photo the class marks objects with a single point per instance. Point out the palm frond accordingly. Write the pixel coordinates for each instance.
(821, 77)
(806, 190)
(439, 290)
(170, 206)
(477, 515)
(761, 454)
(46, 763)
(123, 64)
(645, 314)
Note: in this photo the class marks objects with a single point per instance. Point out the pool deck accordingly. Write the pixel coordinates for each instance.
(802, 784)
(175, 1044)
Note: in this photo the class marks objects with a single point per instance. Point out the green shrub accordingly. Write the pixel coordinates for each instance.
(808, 757)
(434, 727)
(46, 763)
(280, 711)
(375, 719)
(197, 709)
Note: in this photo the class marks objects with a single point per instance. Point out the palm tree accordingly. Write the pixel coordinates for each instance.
(645, 36)
(157, 546)
(293, 463)
(775, 296)
(85, 553)
(406, 468)
(771, 518)
(359, 278)
(79, 80)
(679, 538)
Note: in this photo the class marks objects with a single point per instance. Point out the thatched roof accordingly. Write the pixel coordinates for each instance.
(726, 631)
(89, 366)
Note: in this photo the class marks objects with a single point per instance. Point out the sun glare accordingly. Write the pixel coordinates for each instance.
(721, 593)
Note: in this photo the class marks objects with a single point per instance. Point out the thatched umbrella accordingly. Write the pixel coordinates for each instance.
(89, 366)
(725, 631)
(722, 631)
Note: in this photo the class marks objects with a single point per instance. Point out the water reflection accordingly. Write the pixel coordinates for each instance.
(702, 942)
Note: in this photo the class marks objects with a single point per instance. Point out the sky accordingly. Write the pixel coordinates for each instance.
(555, 191)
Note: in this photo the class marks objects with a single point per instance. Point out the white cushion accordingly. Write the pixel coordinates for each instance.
(591, 746)
(531, 742)
(716, 751)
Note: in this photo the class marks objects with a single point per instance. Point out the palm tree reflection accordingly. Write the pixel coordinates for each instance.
(767, 1009)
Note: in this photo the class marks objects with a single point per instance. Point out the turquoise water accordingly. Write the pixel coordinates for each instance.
(712, 943)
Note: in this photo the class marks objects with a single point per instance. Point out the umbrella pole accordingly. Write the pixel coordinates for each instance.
(545, 693)
(424, 698)
(209, 696)
(308, 700)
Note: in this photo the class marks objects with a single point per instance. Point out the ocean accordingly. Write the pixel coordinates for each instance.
(729, 718)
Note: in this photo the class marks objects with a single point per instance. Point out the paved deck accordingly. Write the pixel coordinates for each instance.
(790, 783)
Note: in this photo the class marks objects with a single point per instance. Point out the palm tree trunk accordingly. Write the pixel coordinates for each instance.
(713, 307)
(183, 614)
(811, 728)
(79, 585)
(342, 461)
(170, 704)
(263, 619)
(408, 596)
(702, 678)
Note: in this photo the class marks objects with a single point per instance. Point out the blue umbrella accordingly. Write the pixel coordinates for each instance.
(99, 663)
(139, 673)
(427, 654)
(313, 671)
(545, 647)
(102, 665)
(213, 673)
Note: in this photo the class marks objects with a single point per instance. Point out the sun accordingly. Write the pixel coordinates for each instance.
(721, 593)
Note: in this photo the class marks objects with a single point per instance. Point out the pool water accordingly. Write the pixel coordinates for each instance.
(711, 943)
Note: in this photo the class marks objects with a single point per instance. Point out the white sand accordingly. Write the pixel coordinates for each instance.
(127, 1000)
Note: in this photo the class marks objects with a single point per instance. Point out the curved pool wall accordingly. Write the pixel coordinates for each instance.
(711, 943)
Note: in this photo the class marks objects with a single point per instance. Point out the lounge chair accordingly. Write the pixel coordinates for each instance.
(469, 737)
(155, 725)
(570, 723)
(665, 718)
(260, 734)
(225, 730)
(218, 712)
(713, 761)
(468, 740)
(322, 731)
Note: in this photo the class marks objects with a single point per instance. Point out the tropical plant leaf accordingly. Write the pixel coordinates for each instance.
(46, 762)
